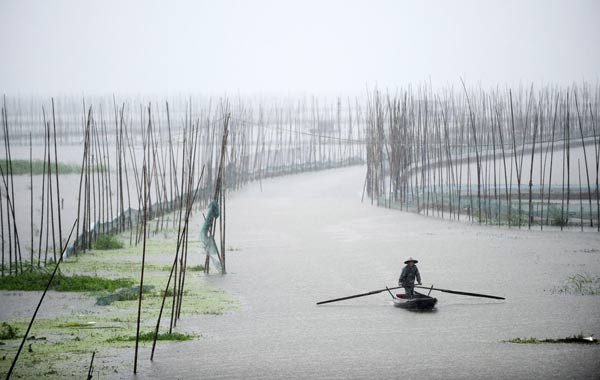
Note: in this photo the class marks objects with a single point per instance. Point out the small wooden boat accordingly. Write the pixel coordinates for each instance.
(418, 302)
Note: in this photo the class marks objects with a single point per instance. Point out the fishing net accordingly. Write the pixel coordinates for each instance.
(207, 238)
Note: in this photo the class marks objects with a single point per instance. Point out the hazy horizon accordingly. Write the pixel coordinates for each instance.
(291, 47)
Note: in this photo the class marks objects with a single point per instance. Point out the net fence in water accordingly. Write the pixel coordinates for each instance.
(550, 210)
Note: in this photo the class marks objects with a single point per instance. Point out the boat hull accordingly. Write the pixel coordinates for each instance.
(418, 302)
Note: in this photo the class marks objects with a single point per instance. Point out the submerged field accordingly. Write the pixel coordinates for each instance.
(308, 238)
(72, 325)
(297, 240)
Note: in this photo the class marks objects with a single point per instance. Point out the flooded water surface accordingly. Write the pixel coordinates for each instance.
(308, 238)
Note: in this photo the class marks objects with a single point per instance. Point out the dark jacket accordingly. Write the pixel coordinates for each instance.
(408, 275)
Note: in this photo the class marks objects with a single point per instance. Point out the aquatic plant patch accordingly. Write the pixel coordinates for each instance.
(195, 268)
(578, 339)
(109, 330)
(38, 167)
(106, 242)
(8, 331)
(149, 336)
(580, 284)
(38, 280)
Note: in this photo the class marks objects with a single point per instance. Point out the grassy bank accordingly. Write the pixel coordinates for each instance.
(61, 346)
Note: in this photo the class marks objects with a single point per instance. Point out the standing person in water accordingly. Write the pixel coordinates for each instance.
(407, 278)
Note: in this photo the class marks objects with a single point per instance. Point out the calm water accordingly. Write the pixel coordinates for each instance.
(308, 238)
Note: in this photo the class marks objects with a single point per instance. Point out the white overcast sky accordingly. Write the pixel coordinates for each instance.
(52, 47)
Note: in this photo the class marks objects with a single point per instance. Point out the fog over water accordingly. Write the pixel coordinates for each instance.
(332, 47)
(292, 86)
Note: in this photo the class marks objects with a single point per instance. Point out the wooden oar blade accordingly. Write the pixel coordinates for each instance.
(347, 298)
(355, 296)
(471, 294)
(462, 293)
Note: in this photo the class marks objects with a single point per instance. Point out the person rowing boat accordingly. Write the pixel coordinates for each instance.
(407, 278)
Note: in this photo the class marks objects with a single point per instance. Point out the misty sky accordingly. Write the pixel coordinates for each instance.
(307, 46)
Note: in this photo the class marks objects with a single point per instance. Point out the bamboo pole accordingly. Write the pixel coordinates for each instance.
(580, 194)
(57, 183)
(31, 199)
(530, 215)
(552, 155)
(147, 184)
(2, 230)
(587, 173)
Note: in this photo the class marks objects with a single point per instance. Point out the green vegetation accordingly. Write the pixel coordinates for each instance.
(194, 268)
(505, 219)
(109, 330)
(189, 268)
(8, 332)
(38, 280)
(580, 339)
(149, 336)
(22, 167)
(84, 283)
(580, 284)
(77, 324)
(105, 242)
(557, 218)
(523, 340)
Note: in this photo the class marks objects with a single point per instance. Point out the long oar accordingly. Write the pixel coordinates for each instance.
(461, 293)
(358, 295)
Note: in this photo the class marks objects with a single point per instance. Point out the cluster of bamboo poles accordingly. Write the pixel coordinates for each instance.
(188, 163)
(177, 273)
(25, 117)
(8, 192)
(49, 204)
(122, 187)
(489, 156)
(126, 189)
(109, 195)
